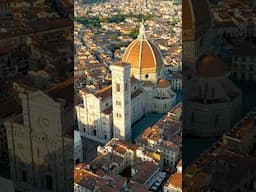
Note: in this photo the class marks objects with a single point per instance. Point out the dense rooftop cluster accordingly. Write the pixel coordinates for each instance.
(98, 47)
(233, 156)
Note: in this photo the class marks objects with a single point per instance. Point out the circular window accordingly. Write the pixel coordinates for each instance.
(146, 76)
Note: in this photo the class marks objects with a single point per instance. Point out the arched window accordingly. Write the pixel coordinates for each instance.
(117, 87)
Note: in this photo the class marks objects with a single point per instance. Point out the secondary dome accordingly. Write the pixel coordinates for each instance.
(162, 83)
(211, 66)
(142, 54)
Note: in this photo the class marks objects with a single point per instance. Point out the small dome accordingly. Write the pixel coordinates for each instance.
(162, 83)
(211, 66)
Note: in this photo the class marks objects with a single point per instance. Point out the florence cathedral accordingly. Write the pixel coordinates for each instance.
(137, 88)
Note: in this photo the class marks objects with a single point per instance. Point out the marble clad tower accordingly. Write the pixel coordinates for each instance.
(121, 98)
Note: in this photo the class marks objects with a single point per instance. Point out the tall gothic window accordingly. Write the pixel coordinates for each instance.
(119, 103)
(117, 87)
(126, 86)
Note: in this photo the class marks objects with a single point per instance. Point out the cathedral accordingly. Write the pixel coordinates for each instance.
(40, 139)
(137, 88)
(212, 102)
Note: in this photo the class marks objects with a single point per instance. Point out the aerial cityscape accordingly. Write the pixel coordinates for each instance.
(127, 95)
(36, 74)
(219, 95)
(127, 71)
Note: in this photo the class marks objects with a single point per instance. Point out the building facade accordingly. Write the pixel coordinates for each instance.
(244, 62)
(176, 81)
(78, 148)
(40, 141)
(10, 105)
(94, 115)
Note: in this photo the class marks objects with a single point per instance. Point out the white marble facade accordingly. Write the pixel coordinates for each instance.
(112, 111)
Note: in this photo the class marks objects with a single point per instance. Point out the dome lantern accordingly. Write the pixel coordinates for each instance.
(142, 34)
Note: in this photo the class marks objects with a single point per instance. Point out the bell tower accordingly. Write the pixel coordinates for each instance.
(121, 99)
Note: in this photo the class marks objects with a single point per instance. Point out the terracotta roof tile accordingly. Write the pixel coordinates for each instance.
(175, 181)
(105, 92)
(142, 54)
(162, 83)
